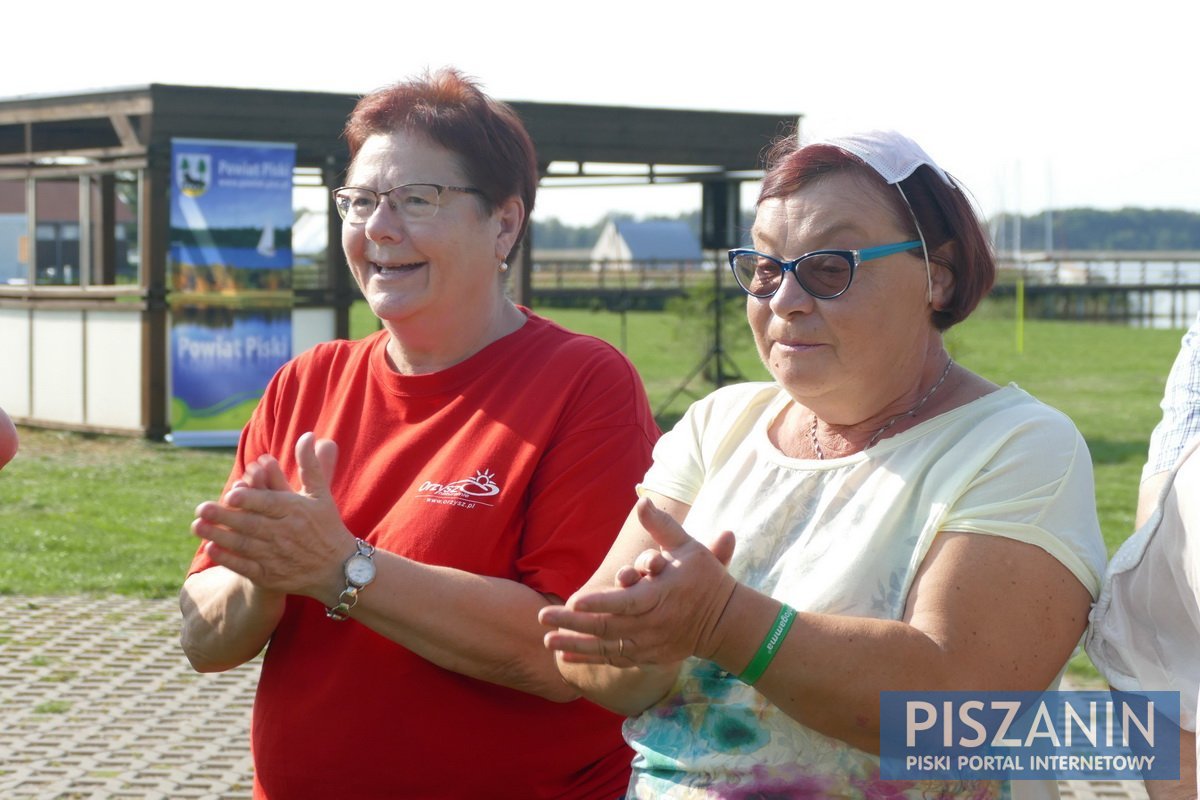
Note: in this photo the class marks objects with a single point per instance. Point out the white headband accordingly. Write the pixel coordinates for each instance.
(893, 155)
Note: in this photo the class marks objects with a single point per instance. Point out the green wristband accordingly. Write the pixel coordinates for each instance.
(769, 647)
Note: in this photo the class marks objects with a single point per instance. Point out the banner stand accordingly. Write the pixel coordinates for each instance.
(230, 283)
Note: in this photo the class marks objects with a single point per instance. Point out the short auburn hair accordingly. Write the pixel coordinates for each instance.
(485, 135)
(954, 235)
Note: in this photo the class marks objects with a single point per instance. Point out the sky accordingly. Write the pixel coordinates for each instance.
(1031, 104)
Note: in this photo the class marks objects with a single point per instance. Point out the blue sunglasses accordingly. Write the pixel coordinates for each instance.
(824, 274)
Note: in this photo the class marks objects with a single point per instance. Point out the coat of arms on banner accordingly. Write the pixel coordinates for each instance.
(193, 173)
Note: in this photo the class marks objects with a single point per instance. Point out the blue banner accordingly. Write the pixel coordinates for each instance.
(1066, 735)
(229, 265)
(223, 357)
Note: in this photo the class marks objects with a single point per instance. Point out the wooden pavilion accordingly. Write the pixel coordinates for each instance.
(85, 306)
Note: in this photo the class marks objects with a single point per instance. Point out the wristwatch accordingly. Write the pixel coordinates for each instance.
(360, 571)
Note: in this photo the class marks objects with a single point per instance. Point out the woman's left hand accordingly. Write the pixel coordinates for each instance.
(281, 539)
(666, 606)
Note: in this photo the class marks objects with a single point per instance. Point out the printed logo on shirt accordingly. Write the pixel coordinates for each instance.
(464, 493)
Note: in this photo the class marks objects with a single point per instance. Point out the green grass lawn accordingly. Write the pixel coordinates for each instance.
(104, 514)
(83, 513)
(667, 348)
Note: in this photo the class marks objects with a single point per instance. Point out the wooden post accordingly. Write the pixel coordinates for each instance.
(521, 272)
(104, 231)
(341, 291)
(154, 210)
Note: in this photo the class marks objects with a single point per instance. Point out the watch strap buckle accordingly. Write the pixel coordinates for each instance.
(347, 600)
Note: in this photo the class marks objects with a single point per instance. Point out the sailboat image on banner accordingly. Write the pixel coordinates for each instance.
(266, 243)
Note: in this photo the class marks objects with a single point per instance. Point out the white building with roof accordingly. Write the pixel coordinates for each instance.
(657, 244)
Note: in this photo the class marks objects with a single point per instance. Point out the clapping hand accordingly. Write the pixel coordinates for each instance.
(665, 607)
(280, 538)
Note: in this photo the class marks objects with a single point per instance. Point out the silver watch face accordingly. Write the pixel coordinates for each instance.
(360, 570)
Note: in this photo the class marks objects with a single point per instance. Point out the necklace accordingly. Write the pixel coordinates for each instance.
(875, 438)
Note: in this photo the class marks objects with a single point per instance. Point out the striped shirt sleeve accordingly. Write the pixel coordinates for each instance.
(1180, 422)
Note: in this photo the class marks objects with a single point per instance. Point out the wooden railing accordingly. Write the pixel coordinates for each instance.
(1111, 268)
(1152, 288)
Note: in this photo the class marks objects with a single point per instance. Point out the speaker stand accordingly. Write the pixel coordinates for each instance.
(716, 354)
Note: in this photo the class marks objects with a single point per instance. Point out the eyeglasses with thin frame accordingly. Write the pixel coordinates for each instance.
(356, 204)
(824, 274)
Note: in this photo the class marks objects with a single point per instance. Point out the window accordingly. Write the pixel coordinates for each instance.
(86, 230)
(14, 234)
(112, 212)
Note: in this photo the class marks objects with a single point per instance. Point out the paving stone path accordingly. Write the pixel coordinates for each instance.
(97, 702)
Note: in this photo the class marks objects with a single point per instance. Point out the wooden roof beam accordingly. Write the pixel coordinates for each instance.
(125, 131)
(89, 153)
(16, 113)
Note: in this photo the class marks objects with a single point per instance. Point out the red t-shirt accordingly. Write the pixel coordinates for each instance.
(518, 463)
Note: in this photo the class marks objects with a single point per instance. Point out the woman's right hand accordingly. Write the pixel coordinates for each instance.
(642, 561)
(665, 606)
(279, 538)
(231, 610)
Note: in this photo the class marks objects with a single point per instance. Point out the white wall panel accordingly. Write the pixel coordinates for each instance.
(114, 369)
(58, 366)
(14, 361)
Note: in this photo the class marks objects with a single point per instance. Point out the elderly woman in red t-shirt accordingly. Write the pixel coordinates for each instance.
(402, 506)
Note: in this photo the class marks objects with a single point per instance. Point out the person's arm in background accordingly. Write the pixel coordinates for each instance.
(1185, 787)
(1148, 496)
(1182, 510)
(1180, 423)
(8, 439)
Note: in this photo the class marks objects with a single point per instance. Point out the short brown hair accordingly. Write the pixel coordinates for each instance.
(486, 136)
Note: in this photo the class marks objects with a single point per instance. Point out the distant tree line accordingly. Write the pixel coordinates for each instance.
(1094, 229)
(552, 234)
(1060, 229)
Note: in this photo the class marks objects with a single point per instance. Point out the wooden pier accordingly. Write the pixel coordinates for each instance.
(1145, 289)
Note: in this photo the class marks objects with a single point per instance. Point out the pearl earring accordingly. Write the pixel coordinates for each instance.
(504, 266)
